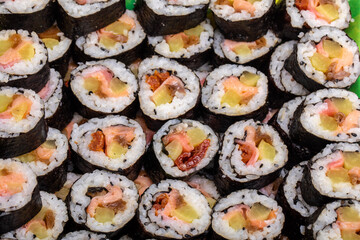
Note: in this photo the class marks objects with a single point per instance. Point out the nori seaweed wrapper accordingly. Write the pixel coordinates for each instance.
(293, 67)
(76, 27)
(150, 21)
(126, 57)
(54, 180)
(246, 30)
(25, 142)
(37, 21)
(14, 219)
(36, 81)
(62, 63)
(277, 97)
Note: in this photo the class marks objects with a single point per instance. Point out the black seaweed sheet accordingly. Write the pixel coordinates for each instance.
(54, 180)
(62, 63)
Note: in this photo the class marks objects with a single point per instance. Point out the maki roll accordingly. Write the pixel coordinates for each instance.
(247, 214)
(332, 174)
(47, 224)
(23, 60)
(282, 85)
(232, 93)
(180, 148)
(27, 15)
(172, 209)
(254, 53)
(58, 47)
(325, 116)
(84, 235)
(58, 111)
(243, 20)
(104, 87)
(79, 17)
(336, 220)
(19, 195)
(163, 17)
(325, 58)
(252, 156)
(122, 39)
(48, 161)
(113, 143)
(103, 202)
(22, 124)
(206, 186)
(191, 47)
(167, 90)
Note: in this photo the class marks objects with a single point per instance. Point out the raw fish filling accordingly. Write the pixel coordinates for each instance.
(117, 32)
(254, 218)
(345, 169)
(142, 182)
(114, 141)
(245, 49)
(42, 154)
(255, 146)
(325, 10)
(10, 182)
(348, 220)
(165, 87)
(16, 106)
(40, 224)
(331, 59)
(173, 206)
(240, 5)
(50, 37)
(187, 147)
(184, 39)
(14, 50)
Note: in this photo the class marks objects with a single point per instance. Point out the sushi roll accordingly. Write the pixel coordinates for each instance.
(191, 47)
(332, 174)
(300, 15)
(326, 116)
(58, 47)
(167, 90)
(84, 235)
(71, 178)
(103, 202)
(252, 156)
(22, 123)
(232, 93)
(297, 212)
(58, 111)
(122, 39)
(19, 195)
(77, 18)
(206, 186)
(247, 214)
(255, 53)
(23, 60)
(180, 148)
(104, 87)
(113, 143)
(27, 15)
(172, 209)
(336, 220)
(324, 58)
(164, 17)
(282, 85)
(243, 20)
(47, 224)
(48, 161)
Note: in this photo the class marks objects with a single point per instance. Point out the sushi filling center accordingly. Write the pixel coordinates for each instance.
(40, 224)
(42, 154)
(16, 106)
(15, 49)
(186, 148)
(184, 39)
(11, 182)
(348, 220)
(240, 5)
(245, 48)
(325, 10)
(50, 37)
(345, 168)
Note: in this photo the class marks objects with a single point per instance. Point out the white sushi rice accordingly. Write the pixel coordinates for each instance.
(299, 19)
(306, 49)
(90, 45)
(58, 208)
(271, 41)
(84, 235)
(56, 159)
(170, 227)
(162, 48)
(175, 7)
(54, 93)
(104, 104)
(248, 198)
(228, 12)
(206, 185)
(213, 90)
(11, 127)
(60, 49)
(79, 201)
(22, 6)
(310, 117)
(177, 125)
(230, 156)
(180, 103)
(282, 78)
(81, 138)
(286, 113)
(24, 67)
(16, 201)
(75, 10)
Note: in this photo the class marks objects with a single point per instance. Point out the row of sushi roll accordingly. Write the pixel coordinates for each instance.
(183, 119)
